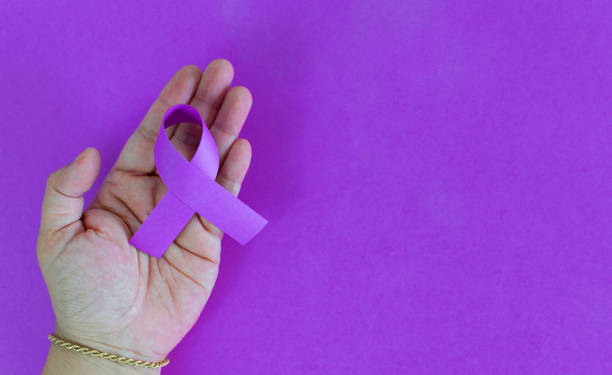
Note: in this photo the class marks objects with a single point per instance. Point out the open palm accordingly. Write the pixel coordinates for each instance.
(105, 293)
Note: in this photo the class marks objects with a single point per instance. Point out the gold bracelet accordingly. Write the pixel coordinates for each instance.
(111, 357)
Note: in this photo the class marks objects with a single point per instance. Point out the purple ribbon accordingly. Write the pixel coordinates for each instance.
(192, 188)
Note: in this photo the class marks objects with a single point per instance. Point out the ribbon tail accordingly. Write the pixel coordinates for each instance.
(220, 207)
(243, 225)
(162, 226)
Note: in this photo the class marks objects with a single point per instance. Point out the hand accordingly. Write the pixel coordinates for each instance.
(105, 293)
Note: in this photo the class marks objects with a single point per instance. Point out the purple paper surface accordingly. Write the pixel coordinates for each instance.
(192, 188)
(436, 175)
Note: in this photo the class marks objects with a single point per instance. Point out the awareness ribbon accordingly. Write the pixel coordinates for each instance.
(192, 188)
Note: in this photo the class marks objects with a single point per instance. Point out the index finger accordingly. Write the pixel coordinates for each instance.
(137, 153)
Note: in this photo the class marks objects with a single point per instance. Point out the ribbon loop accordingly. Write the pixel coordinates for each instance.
(192, 188)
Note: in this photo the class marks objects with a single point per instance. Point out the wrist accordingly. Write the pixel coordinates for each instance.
(66, 362)
(112, 344)
(69, 360)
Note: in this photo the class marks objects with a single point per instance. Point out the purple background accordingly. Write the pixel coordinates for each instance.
(436, 175)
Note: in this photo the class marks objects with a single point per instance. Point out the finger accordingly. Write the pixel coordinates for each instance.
(212, 88)
(231, 118)
(63, 203)
(231, 175)
(196, 239)
(207, 99)
(137, 154)
(236, 164)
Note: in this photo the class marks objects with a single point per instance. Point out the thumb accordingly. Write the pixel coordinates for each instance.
(63, 203)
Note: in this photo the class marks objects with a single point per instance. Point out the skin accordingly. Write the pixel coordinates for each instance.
(106, 294)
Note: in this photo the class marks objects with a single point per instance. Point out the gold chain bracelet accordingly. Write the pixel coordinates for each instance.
(111, 357)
